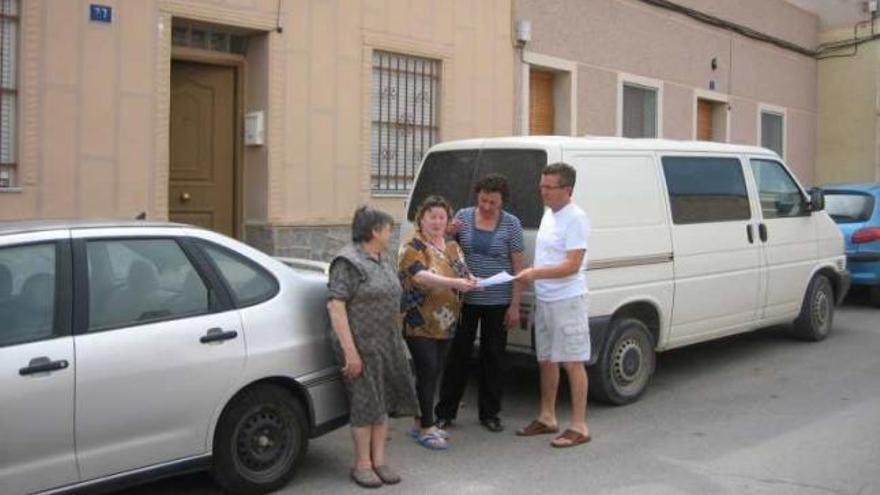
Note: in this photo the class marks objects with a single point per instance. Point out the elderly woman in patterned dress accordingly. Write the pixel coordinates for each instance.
(364, 306)
(433, 274)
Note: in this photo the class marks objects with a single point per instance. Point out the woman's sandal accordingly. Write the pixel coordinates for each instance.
(366, 477)
(416, 433)
(570, 438)
(387, 475)
(432, 442)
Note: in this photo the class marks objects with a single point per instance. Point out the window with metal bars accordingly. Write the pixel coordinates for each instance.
(405, 103)
(9, 21)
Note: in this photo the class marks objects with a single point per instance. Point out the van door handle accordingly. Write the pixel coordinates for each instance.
(762, 232)
(750, 234)
(42, 365)
(217, 335)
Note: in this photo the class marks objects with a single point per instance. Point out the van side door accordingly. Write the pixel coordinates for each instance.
(717, 258)
(787, 235)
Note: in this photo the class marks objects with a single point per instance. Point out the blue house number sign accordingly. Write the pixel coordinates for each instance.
(100, 13)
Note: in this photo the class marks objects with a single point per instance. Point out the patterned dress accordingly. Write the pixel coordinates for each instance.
(371, 293)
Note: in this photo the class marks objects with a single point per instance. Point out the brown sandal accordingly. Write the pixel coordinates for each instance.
(366, 478)
(387, 475)
(571, 438)
(536, 428)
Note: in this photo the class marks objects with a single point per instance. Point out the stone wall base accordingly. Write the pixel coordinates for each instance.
(319, 243)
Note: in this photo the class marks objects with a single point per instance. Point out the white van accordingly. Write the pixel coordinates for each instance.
(691, 241)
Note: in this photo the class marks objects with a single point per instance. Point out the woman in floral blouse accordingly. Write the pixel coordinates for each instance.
(433, 275)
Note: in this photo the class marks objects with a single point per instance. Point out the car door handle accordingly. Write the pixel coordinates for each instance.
(762, 232)
(749, 234)
(217, 335)
(43, 365)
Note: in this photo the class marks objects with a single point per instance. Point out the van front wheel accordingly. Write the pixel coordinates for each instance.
(625, 363)
(817, 311)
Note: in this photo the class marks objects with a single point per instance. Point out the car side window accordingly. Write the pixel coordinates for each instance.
(249, 283)
(138, 281)
(27, 293)
(780, 196)
(706, 189)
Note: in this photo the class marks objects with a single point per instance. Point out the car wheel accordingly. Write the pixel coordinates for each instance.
(625, 364)
(817, 311)
(259, 441)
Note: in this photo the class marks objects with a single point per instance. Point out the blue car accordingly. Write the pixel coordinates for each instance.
(856, 209)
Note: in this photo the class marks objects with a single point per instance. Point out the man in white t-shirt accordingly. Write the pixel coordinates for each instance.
(562, 333)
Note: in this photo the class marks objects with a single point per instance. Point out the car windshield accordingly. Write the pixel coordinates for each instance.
(849, 207)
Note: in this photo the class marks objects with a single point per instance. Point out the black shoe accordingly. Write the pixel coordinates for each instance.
(492, 424)
(443, 423)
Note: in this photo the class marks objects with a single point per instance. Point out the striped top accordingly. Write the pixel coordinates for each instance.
(491, 256)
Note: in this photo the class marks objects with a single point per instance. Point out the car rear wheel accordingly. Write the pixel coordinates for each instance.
(817, 311)
(625, 364)
(259, 441)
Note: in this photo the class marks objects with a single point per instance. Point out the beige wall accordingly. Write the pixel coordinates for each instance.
(607, 38)
(848, 125)
(95, 99)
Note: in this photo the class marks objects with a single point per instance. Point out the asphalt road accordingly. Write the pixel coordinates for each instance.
(752, 414)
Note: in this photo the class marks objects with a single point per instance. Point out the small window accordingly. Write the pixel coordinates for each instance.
(404, 113)
(139, 281)
(9, 25)
(27, 293)
(249, 284)
(639, 112)
(208, 37)
(452, 174)
(780, 196)
(849, 207)
(706, 189)
(773, 131)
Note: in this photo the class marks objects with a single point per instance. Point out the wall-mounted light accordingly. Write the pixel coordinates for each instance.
(523, 32)
(714, 63)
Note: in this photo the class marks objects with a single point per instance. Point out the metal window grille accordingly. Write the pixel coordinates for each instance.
(9, 20)
(405, 96)
(206, 37)
(639, 112)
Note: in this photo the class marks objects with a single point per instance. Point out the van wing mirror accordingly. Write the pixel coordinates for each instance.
(817, 199)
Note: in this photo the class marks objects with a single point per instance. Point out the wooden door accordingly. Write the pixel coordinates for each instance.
(704, 120)
(202, 156)
(541, 103)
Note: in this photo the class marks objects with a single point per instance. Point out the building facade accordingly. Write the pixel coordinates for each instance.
(269, 120)
(636, 68)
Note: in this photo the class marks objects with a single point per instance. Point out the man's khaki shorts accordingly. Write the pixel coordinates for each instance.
(562, 330)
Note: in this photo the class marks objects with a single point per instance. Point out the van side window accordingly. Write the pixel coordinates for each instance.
(706, 189)
(780, 196)
(452, 174)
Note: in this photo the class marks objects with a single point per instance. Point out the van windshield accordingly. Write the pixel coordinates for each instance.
(452, 174)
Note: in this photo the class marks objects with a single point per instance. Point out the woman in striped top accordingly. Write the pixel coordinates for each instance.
(492, 241)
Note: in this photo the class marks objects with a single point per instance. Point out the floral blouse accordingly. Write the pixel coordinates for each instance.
(429, 312)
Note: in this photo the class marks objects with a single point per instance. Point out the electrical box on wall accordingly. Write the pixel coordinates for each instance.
(254, 134)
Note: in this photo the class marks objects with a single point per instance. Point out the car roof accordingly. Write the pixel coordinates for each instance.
(604, 143)
(24, 226)
(868, 187)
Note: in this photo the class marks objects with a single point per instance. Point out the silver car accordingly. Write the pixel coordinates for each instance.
(134, 350)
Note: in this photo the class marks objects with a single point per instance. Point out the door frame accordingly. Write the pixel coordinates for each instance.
(239, 65)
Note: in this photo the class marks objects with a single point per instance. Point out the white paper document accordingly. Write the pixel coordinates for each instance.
(498, 278)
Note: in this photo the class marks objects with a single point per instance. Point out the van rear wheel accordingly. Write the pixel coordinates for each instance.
(817, 311)
(625, 364)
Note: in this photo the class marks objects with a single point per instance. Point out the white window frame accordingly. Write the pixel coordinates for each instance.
(624, 79)
(532, 60)
(776, 110)
(702, 94)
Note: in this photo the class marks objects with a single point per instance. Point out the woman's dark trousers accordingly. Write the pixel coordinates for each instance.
(429, 357)
(493, 344)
